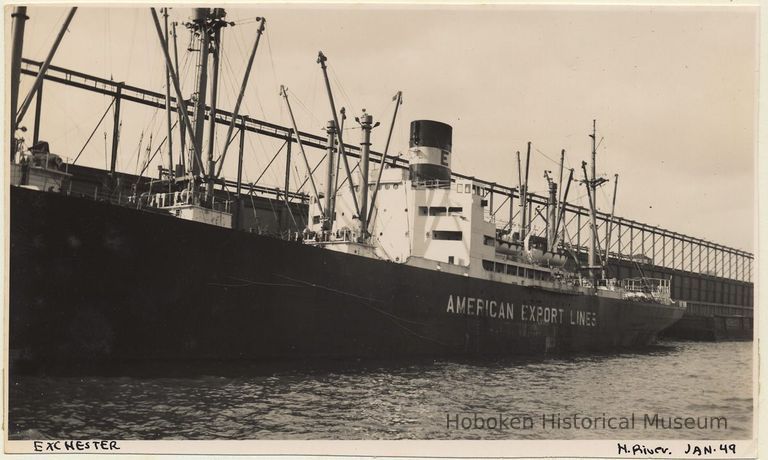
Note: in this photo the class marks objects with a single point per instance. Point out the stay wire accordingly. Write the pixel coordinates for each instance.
(94, 131)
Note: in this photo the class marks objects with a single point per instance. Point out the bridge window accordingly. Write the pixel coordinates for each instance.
(423, 210)
(488, 265)
(437, 211)
(455, 211)
(489, 240)
(500, 268)
(511, 270)
(447, 235)
(460, 188)
(315, 220)
(466, 188)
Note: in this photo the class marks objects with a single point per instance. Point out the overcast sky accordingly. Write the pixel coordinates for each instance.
(673, 90)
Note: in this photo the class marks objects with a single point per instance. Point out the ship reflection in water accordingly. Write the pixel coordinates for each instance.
(675, 379)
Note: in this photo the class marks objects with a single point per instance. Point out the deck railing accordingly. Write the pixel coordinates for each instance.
(184, 198)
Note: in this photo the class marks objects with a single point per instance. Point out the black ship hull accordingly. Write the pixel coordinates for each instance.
(92, 282)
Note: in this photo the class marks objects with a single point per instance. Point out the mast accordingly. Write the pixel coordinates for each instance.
(592, 185)
(592, 219)
(199, 27)
(19, 20)
(330, 183)
(169, 157)
(212, 115)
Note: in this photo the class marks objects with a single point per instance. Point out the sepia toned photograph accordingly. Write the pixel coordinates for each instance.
(367, 222)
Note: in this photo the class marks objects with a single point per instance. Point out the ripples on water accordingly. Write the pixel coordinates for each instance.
(399, 401)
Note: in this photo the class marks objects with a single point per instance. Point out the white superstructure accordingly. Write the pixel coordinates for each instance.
(425, 218)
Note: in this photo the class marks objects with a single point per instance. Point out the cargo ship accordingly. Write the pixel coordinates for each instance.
(394, 263)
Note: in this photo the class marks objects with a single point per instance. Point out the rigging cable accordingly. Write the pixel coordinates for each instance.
(94, 131)
(547, 156)
(314, 118)
(352, 107)
(270, 162)
(271, 58)
(247, 109)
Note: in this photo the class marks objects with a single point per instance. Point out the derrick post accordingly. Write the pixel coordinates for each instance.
(19, 20)
(366, 125)
(289, 140)
(551, 215)
(240, 177)
(181, 105)
(212, 117)
(330, 182)
(511, 208)
(169, 156)
(38, 110)
(578, 231)
(240, 162)
(116, 128)
(490, 202)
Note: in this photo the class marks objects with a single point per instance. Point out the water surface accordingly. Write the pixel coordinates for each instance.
(403, 401)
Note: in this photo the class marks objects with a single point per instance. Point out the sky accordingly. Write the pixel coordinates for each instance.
(673, 90)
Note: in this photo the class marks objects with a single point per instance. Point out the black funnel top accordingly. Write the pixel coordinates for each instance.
(428, 133)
